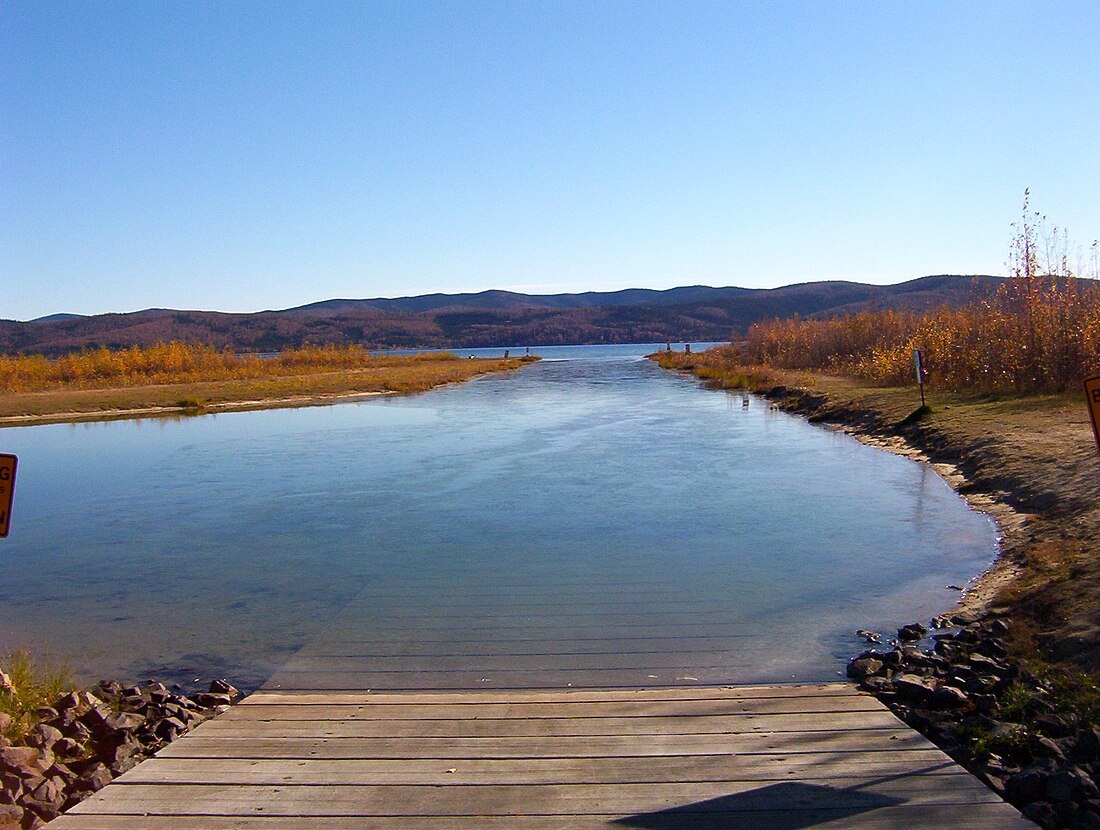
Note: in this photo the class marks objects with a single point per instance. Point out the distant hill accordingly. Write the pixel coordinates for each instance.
(491, 318)
(49, 318)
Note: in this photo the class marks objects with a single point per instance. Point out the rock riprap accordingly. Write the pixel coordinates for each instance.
(85, 739)
(996, 719)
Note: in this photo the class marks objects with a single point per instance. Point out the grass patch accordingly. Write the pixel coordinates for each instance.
(31, 687)
(720, 367)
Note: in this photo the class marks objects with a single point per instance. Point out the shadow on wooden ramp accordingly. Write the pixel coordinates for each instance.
(741, 811)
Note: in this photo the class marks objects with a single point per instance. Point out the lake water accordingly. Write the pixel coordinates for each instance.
(589, 520)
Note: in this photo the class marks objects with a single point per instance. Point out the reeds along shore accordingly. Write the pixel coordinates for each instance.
(184, 363)
(1037, 334)
(1034, 334)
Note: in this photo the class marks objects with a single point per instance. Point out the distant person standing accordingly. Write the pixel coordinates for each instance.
(687, 348)
(505, 354)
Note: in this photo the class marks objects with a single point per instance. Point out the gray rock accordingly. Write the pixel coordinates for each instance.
(67, 748)
(889, 658)
(26, 761)
(987, 665)
(1026, 786)
(169, 729)
(912, 632)
(992, 647)
(1042, 813)
(1087, 745)
(209, 700)
(42, 810)
(878, 685)
(67, 702)
(94, 778)
(11, 787)
(948, 697)
(123, 721)
(224, 687)
(11, 816)
(1054, 726)
(89, 701)
(43, 736)
(120, 756)
(1046, 748)
(64, 773)
(77, 731)
(965, 618)
(863, 667)
(5, 721)
(50, 793)
(998, 627)
(986, 704)
(914, 688)
(1070, 784)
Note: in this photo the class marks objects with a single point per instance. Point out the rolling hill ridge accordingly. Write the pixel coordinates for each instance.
(490, 318)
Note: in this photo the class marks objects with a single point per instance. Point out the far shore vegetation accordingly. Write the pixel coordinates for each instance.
(195, 378)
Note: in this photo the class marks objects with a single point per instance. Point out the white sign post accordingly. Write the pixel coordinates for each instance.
(918, 363)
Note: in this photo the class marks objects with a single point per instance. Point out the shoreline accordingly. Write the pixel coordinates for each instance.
(192, 399)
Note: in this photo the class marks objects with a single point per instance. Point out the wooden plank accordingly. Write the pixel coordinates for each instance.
(590, 709)
(698, 758)
(636, 694)
(200, 745)
(534, 799)
(723, 767)
(545, 726)
(900, 817)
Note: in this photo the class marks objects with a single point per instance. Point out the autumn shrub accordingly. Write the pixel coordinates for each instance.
(1038, 332)
(183, 363)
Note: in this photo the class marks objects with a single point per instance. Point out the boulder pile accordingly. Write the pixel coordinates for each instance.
(1000, 722)
(87, 738)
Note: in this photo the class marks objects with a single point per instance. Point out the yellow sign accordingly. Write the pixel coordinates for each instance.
(7, 490)
(1092, 395)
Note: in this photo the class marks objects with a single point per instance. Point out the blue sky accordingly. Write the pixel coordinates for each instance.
(242, 156)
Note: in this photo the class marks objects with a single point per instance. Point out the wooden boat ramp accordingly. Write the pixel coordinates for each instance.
(698, 758)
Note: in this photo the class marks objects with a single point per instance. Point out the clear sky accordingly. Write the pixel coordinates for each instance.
(242, 156)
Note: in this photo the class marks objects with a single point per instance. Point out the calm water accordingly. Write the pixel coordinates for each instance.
(590, 520)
